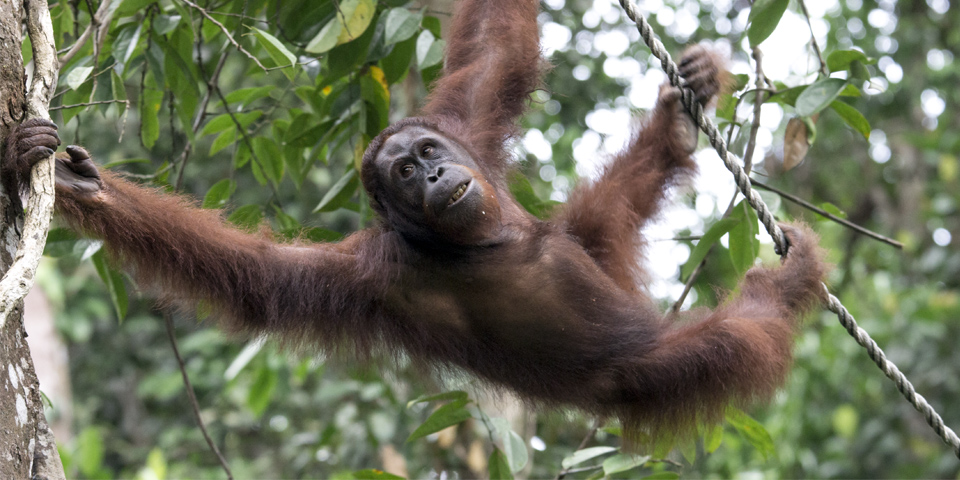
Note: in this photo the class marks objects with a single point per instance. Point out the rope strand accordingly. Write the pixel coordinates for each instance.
(766, 217)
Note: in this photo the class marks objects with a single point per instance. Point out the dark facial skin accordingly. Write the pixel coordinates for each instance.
(433, 190)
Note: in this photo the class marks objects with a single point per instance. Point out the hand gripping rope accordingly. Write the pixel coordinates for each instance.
(766, 217)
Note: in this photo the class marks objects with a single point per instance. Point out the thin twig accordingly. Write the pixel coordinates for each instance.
(225, 32)
(193, 397)
(102, 15)
(90, 78)
(667, 461)
(246, 137)
(757, 105)
(583, 443)
(813, 40)
(809, 206)
(682, 238)
(571, 471)
(202, 112)
(87, 104)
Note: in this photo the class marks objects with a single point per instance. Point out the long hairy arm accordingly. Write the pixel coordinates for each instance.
(192, 258)
(739, 354)
(606, 215)
(492, 65)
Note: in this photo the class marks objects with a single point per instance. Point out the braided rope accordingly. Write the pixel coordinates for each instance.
(766, 217)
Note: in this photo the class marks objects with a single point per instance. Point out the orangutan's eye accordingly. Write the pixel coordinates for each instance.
(406, 170)
(426, 151)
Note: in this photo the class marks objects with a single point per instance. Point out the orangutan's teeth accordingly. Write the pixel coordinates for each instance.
(458, 193)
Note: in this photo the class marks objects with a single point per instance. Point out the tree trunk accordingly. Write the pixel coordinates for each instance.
(27, 446)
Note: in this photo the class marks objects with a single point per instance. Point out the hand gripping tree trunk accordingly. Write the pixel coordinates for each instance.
(27, 446)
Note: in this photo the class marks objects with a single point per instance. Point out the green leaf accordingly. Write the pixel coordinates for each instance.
(580, 456)
(396, 64)
(622, 462)
(357, 16)
(400, 25)
(339, 193)
(247, 217)
(787, 96)
(125, 44)
(249, 352)
(129, 7)
(90, 451)
(219, 193)
(853, 117)
(851, 90)
(157, 464)
(514, 448)
(752, 431)
(118, 92)
(326, 39)
(150, 102)
(688, 449)
(845, 420)
(841, 59)
(457, 395)
(224, 121)
(713, 438)
(154, 55)
(523, 192)
(86, 248)
(60, 242)
(738, 82)
(744, 245)
(452, 413)
(497, 466)
(374, 474)
(818, 96)
(270, 158)
(164, 24)
(321, 235)
(433, 24)
(246, 96)
(662, 476)
(764, 17)
(261, 392)
(429, 50)
(78, 76)
(726, 106)
(374, 91)
(833, 210)
(343, 59)
(114, 282)
(179, 73)
(712, 235)
(223, 140)
(275, 48)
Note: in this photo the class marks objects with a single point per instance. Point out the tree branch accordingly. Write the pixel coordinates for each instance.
(813, 40)
(19, 278)
(192, 396)
(102, 16)
(809, 206)
(226, 32)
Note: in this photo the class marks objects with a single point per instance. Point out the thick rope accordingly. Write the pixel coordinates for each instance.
(766, 217)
